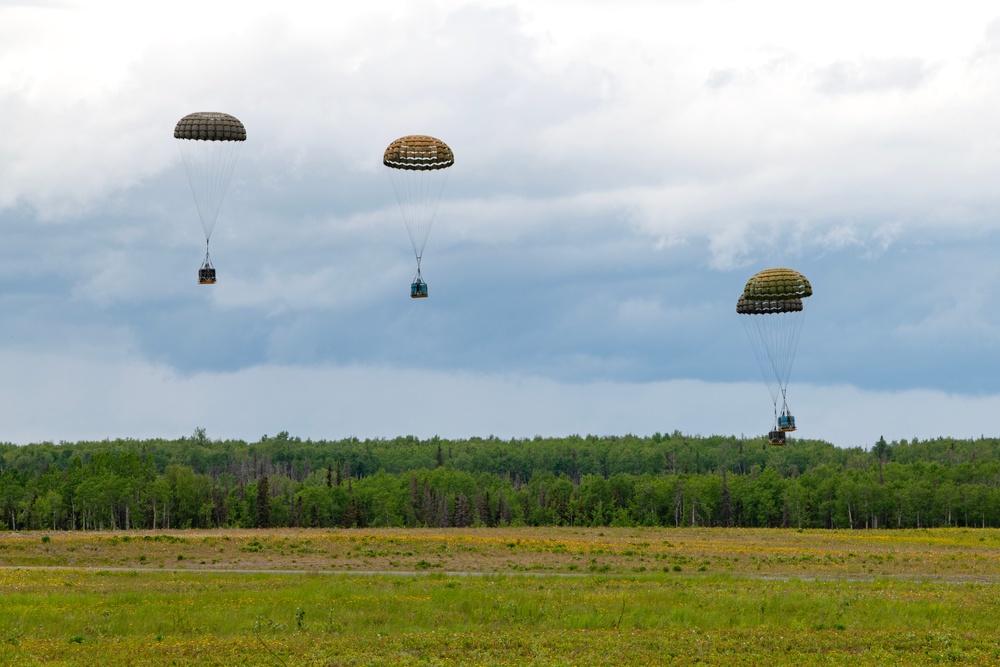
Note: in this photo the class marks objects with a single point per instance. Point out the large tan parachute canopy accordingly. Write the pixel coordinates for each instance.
(777, 285)
(418, 152)
(210, 126)
(746, 306)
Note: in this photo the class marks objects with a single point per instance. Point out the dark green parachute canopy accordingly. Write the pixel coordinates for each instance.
(777, 285)
(746, 306)
(418, 152)
(210, 126)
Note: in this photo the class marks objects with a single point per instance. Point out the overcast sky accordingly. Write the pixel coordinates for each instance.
(621, 170)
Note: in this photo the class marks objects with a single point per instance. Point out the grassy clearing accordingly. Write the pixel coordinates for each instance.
(947, 553)
(919, 612)
(152, 618)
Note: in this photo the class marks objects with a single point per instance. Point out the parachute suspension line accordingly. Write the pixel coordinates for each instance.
(793, 344)
(776, 337)
(209, 165)
(761, 336)
(757, 343)
(418, 192)
(786, 346)
(226, 160)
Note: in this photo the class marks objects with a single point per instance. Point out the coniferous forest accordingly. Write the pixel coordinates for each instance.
(661, 480)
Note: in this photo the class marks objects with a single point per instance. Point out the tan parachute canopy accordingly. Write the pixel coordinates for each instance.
(746, 306)
(418, 152)
(210, 126)
(777, 285)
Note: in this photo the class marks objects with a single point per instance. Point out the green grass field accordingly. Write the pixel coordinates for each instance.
(501, 597)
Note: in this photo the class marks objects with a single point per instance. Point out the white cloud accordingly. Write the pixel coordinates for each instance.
(870, 76)
(610, 105)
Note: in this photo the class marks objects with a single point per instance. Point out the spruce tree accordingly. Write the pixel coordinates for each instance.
(262, 517)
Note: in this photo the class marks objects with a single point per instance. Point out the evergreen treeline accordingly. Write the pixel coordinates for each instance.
(665, 480)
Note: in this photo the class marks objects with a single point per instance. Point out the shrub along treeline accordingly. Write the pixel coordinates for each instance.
(662, 480)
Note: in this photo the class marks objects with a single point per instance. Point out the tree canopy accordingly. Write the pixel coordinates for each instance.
(675, 480)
